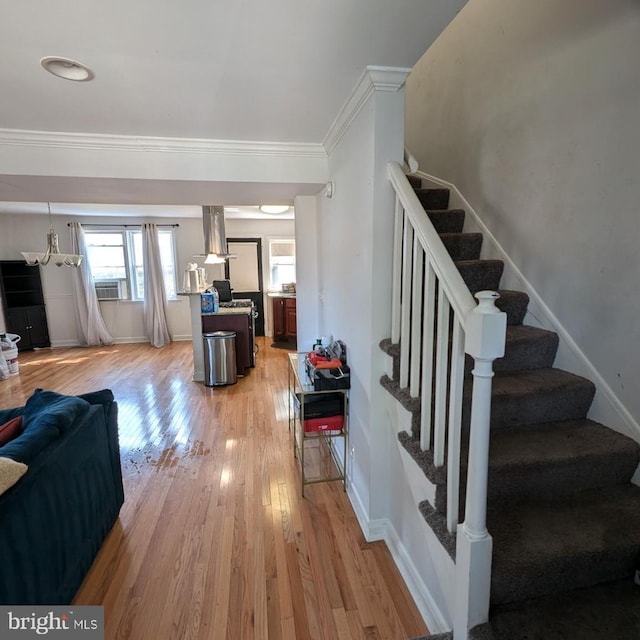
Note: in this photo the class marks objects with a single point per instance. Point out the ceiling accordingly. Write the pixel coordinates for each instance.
(242, 70)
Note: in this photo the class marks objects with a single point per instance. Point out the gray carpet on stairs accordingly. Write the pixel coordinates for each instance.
(564, 517)
(609, 611)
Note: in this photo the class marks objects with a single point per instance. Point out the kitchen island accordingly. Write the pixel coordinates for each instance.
(235, 318)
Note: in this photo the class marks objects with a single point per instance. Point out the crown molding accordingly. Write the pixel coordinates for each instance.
(374, 78)
(108, 142)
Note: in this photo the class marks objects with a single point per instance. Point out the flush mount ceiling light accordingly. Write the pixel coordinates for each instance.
(274, 208)
(66, 68)
(52, 252)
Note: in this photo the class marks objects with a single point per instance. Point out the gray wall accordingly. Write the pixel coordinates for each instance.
(531, 108)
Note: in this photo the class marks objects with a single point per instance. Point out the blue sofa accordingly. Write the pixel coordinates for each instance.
(55, 518)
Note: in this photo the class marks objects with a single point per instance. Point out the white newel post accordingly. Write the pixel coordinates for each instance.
(485, 341)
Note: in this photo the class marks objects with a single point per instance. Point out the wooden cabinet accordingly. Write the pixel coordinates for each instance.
(30, 323)
(290, 320)
(23, 303)
(284, 318)
(240, 323)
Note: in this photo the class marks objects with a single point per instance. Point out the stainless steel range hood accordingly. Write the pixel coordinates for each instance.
(215, 239)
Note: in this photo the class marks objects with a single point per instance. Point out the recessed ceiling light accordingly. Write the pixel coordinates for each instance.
(274, 208)
(66, 68)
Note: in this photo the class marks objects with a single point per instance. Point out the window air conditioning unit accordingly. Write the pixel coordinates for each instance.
(109, 290)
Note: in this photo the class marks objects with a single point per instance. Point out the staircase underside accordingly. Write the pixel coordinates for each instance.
(563, 514)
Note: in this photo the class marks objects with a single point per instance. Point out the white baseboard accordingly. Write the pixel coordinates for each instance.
(607, 407)
(427, 606)
(383, 529)
(68, 344)
(64, 344)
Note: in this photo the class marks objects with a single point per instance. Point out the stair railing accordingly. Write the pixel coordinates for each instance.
(436, 320)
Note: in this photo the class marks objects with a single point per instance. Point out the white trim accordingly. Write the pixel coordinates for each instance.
(69, 344)
(58, 296)
(628, 425)
(374, 78)
(63, 344)
(383, 530)
(361, 512)
(108, 142)
(427, 606)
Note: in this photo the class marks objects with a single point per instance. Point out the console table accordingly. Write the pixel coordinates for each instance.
(304, 430)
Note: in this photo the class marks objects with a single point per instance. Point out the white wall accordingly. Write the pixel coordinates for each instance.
(355, 230)
(531, 110)
(123, 318)
(307, 272)
(346, 260)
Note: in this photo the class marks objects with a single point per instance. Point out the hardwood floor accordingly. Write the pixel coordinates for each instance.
(214, 539)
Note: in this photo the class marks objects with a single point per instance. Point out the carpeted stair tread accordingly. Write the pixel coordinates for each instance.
(554, 459)
(447, 221)
(481, 632)
(414, 181)
(527, 348)
(402, 395)
(433, 198)
(481, 275)
(424, 459)
(462, 246)
(514, 304)
(438, 524)
(561, 510)
(390, 348)
(609, 611)
(535, 396)
(549, 461)
(542, 547)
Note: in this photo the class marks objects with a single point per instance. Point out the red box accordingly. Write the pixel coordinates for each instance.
(330, 423)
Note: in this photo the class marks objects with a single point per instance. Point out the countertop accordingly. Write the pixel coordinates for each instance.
(228, 311)
(281, 295)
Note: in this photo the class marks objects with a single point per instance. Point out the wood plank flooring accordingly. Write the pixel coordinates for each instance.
(214, 539)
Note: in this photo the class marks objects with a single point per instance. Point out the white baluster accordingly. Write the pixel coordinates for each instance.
(456, 382)
(416, 317)
(442, 367)
(405, 337)
(397, 272)
(427, 358)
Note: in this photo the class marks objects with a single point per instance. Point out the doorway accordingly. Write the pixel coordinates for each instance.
(245, 273)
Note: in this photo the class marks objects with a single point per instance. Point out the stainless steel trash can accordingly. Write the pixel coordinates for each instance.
(219, 358)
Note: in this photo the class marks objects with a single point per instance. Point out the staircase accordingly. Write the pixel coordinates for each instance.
(562, 512)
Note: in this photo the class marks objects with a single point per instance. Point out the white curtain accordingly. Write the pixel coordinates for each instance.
(155, 298)
(94, 330)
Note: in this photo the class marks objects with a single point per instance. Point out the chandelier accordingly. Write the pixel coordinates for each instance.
(52, 252)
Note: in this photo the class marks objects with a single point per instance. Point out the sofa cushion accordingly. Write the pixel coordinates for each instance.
(46, 415)
(103, 397)
(52, 409)
(10, 472)
(10, 430)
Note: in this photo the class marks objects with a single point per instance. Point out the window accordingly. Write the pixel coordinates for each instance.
(282, 263)
(115, 258)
